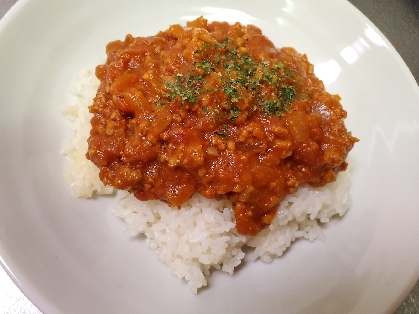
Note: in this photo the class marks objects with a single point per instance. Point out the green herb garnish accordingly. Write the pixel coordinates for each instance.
(271, 86)
(222, 132)
(234, 113)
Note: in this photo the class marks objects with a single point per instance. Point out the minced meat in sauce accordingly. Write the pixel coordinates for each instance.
(216, 109)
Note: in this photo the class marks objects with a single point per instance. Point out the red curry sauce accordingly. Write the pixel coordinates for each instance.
(216, 109)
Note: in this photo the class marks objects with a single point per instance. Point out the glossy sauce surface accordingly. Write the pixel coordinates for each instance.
(216, 109)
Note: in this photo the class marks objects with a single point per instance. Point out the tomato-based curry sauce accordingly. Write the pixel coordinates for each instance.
(216, 109)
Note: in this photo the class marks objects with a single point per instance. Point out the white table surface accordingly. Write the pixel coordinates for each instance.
(13, 301)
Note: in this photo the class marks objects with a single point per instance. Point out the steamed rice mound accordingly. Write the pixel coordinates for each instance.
(200, 236)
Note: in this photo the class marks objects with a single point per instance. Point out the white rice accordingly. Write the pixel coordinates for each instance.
(80, 173)
(201, 236)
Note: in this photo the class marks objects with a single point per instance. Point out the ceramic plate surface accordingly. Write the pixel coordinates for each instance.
(71, 256)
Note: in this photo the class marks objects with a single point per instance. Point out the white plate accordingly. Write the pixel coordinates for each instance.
(70, 255)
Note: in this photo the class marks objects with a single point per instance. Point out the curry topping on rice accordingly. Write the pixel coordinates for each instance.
(216, 109)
